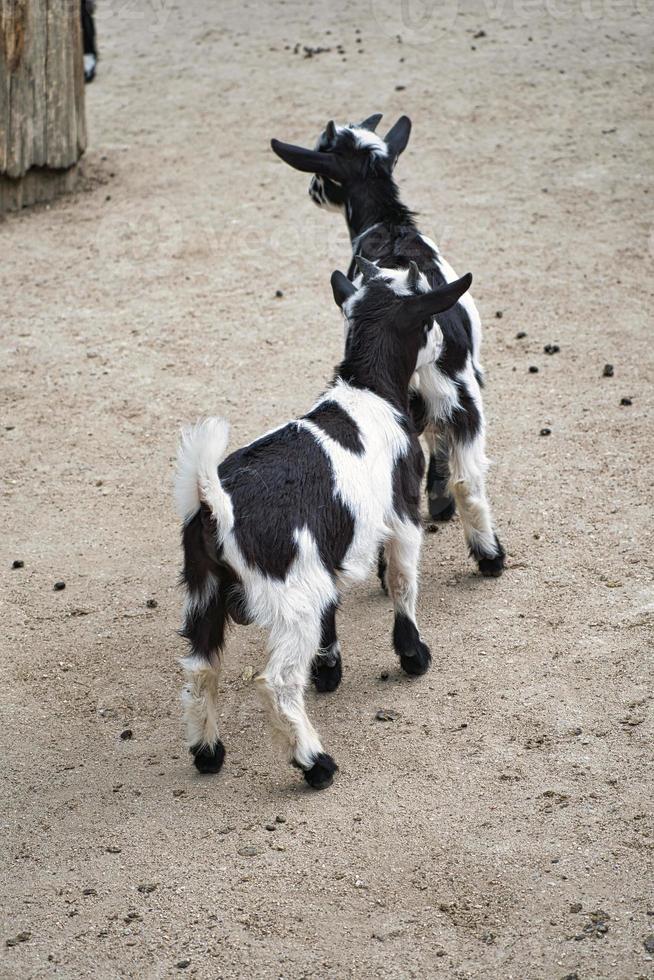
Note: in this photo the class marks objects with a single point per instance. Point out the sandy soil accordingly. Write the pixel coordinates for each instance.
(501, 826)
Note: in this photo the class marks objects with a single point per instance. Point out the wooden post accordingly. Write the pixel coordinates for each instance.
(42, 122)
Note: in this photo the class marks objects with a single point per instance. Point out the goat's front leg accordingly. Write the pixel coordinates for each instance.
(282, 686)
(402, 556)
(326, 668)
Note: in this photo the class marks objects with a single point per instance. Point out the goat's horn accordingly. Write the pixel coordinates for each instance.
(372, 122)
(414, 275)
(367, 269)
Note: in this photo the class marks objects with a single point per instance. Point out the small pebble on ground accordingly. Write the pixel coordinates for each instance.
(386, 714)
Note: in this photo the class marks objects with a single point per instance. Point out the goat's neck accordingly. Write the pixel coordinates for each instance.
(375, 202)
(389, 383)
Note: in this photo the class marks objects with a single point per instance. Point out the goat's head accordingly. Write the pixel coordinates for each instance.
(393, 311)
(346, 155)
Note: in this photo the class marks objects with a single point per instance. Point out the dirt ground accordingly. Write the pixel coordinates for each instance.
(501, 826)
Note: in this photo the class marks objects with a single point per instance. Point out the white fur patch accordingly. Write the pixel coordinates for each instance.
(293, 601)
(397, 279)
(366, 140)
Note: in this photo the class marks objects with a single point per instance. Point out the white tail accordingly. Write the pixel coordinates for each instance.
(201, 448)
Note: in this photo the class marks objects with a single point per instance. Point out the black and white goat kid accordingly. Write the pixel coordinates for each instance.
(353, 173)
(273, 531)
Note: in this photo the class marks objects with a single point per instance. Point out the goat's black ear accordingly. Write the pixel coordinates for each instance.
(342, 288)
(308, 161)
(330, 130)
(367, 269)
(372, 122)
(397, 138)
(436, 301)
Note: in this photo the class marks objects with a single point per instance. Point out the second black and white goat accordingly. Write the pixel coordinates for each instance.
(352, 171)
(274, 531)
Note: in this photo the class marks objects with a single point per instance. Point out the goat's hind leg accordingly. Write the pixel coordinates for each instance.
(282, 687)
(424, 412)
(326, 668)
(439, 498)
(468, 465)
(205, 617)
(204, 626)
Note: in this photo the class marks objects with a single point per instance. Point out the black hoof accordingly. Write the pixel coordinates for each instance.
(442, 509)
(492, 567)
(418, 661)
(321, 774)
(326, 672)
(414, 655)
(208, 759)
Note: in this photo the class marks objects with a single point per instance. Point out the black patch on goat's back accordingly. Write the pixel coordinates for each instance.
(338, 425)
(278, 485)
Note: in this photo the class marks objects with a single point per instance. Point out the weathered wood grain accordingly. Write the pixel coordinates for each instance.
(42, 119)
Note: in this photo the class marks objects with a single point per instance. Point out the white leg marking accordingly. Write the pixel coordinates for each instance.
(200, 701)
(281, 687)
(402, 556)
(468, 465)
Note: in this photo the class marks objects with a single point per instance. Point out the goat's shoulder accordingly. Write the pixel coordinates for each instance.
(382, 428)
